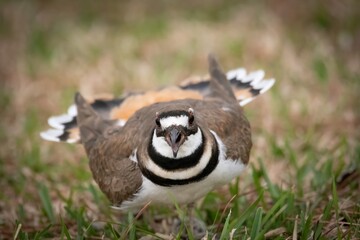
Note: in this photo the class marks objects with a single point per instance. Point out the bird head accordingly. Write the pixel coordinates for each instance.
(176, 129)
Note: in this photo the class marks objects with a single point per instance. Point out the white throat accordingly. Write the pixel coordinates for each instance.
(187, 148)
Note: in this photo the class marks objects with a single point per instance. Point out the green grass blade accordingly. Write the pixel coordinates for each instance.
(94, 194)
(42, 233)
(80, 222)
(114, 234)
(246, 214)
(256, 175)
(256, 224)
(336, 206)
(268, 225)
(306, 230)
(132, 229)
(190, 234)
(46, 202)
(273, 189)
(226, 231)
(64, 231)
(326, 215)
(280, 202)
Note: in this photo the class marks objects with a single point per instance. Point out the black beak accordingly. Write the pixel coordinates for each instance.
(175, 140)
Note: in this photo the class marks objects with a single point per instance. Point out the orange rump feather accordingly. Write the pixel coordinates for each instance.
(136, 102)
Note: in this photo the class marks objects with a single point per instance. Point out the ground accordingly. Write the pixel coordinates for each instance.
(303, 179)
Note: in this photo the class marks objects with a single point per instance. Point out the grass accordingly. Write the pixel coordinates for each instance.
(303, 178)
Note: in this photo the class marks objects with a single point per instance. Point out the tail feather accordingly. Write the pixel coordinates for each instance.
(70, 135)
(52, 135)
(59, 122)
(245, 86)
(248, 86)
(236, 73)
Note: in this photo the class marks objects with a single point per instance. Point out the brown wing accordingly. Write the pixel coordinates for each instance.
(230, 124)
(245, 87)
(108, 151)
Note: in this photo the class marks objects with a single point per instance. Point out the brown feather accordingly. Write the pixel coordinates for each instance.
(136, 102)
(108, 151)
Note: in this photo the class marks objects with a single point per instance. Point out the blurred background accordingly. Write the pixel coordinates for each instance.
(308, 122)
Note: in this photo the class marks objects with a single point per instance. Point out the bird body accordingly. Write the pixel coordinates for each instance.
(182, 179)
(165, 151)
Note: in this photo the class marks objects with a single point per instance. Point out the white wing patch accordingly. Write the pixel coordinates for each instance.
(72, 110)
(52, 135)
(238, 73)
(251, 81)
(58, 122)
(264, 85)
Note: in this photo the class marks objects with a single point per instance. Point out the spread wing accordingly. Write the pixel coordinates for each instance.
(108, 151)
(244, 86)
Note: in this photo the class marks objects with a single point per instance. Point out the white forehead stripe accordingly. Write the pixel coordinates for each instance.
(178, 120)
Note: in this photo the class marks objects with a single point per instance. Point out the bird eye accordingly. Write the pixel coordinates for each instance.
(157, 121)
(191, 119)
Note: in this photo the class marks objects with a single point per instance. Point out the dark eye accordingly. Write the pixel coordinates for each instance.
(191, 119)
(157, 121)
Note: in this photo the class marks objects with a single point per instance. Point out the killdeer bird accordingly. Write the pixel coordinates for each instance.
(172, 145)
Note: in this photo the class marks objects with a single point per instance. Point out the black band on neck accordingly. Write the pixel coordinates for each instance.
(171, 164)
(166, 182)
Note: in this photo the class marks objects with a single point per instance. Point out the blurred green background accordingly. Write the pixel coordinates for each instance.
(305, 130)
